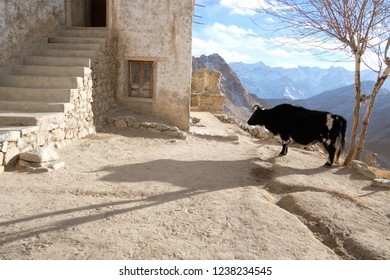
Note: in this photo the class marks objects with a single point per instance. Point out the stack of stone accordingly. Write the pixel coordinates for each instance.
(206, 92)
(43, 159)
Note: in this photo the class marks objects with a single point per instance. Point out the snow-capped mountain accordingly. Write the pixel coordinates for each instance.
(294, 83)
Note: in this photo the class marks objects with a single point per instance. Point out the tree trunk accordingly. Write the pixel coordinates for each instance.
(356, 111)
(367, 115)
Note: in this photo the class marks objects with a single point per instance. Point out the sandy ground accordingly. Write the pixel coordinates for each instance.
(129, 194)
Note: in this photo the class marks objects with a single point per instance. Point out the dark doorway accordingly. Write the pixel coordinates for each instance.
(98, 13)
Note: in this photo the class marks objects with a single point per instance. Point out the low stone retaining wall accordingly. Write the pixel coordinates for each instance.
(132, 122)
(254, 131)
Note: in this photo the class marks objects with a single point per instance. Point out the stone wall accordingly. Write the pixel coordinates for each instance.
(206, 93)
(104, 77)
(158, 31)
(24, 22)
(57, 130)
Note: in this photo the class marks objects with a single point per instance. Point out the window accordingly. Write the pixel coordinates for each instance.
(141, 79)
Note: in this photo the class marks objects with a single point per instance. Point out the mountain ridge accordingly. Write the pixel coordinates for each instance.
(294, 83)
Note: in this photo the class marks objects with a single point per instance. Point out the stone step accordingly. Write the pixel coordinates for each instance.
(83, 32)
(57, 61)
(13, 133)
(39, 89)
(65, 53)
(76, 40)
(40, 81)
(41, 70)
(74, 46)
(35, 94)
(33, 106)
(29, 118)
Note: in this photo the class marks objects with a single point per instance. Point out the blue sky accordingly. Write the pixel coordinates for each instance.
(232, 30)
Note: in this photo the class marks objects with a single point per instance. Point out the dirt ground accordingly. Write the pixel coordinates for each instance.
(129, 194)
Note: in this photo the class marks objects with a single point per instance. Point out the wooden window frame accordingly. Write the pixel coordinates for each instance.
(140, 84)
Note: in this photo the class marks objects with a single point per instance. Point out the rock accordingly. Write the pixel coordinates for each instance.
(3, 146)
(162, 127)
(171, 133)
(182, 135)
(58, 165)
(194, 120)
(39, 155)
(120, 123)
(11, 157)
(130, 121)
(362, 168)
(36, 167)
(382, 183)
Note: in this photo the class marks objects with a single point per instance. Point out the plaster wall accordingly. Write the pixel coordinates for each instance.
(79, 13)
(24, 22)
(160, 31)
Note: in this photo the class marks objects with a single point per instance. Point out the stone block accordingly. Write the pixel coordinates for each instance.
(130, 121)
(13, 135)
(171, 133)
(162, 127)
(3, 146)
(154, 130)
(12, 156)
(39, 155)
(120, 123)
(22, 143)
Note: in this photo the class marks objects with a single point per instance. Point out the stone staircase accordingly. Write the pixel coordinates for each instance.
(46, 90)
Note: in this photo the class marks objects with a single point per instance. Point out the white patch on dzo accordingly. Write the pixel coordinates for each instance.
(329, 121)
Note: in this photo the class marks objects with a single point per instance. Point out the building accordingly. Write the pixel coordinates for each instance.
(143, 63)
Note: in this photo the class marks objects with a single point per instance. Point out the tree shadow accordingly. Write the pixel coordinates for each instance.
(200, 175)
(192, 177)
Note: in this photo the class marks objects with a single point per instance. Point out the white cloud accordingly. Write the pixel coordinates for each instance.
(232, 29)
(230, 41)
(209, 47)
(235, 43)
(240, 7)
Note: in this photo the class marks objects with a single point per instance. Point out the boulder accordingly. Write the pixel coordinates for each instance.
(39, 155)
(362, 168)
(382, 183)
(43, 159)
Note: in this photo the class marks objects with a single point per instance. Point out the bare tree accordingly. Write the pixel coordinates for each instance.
(361, 28)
